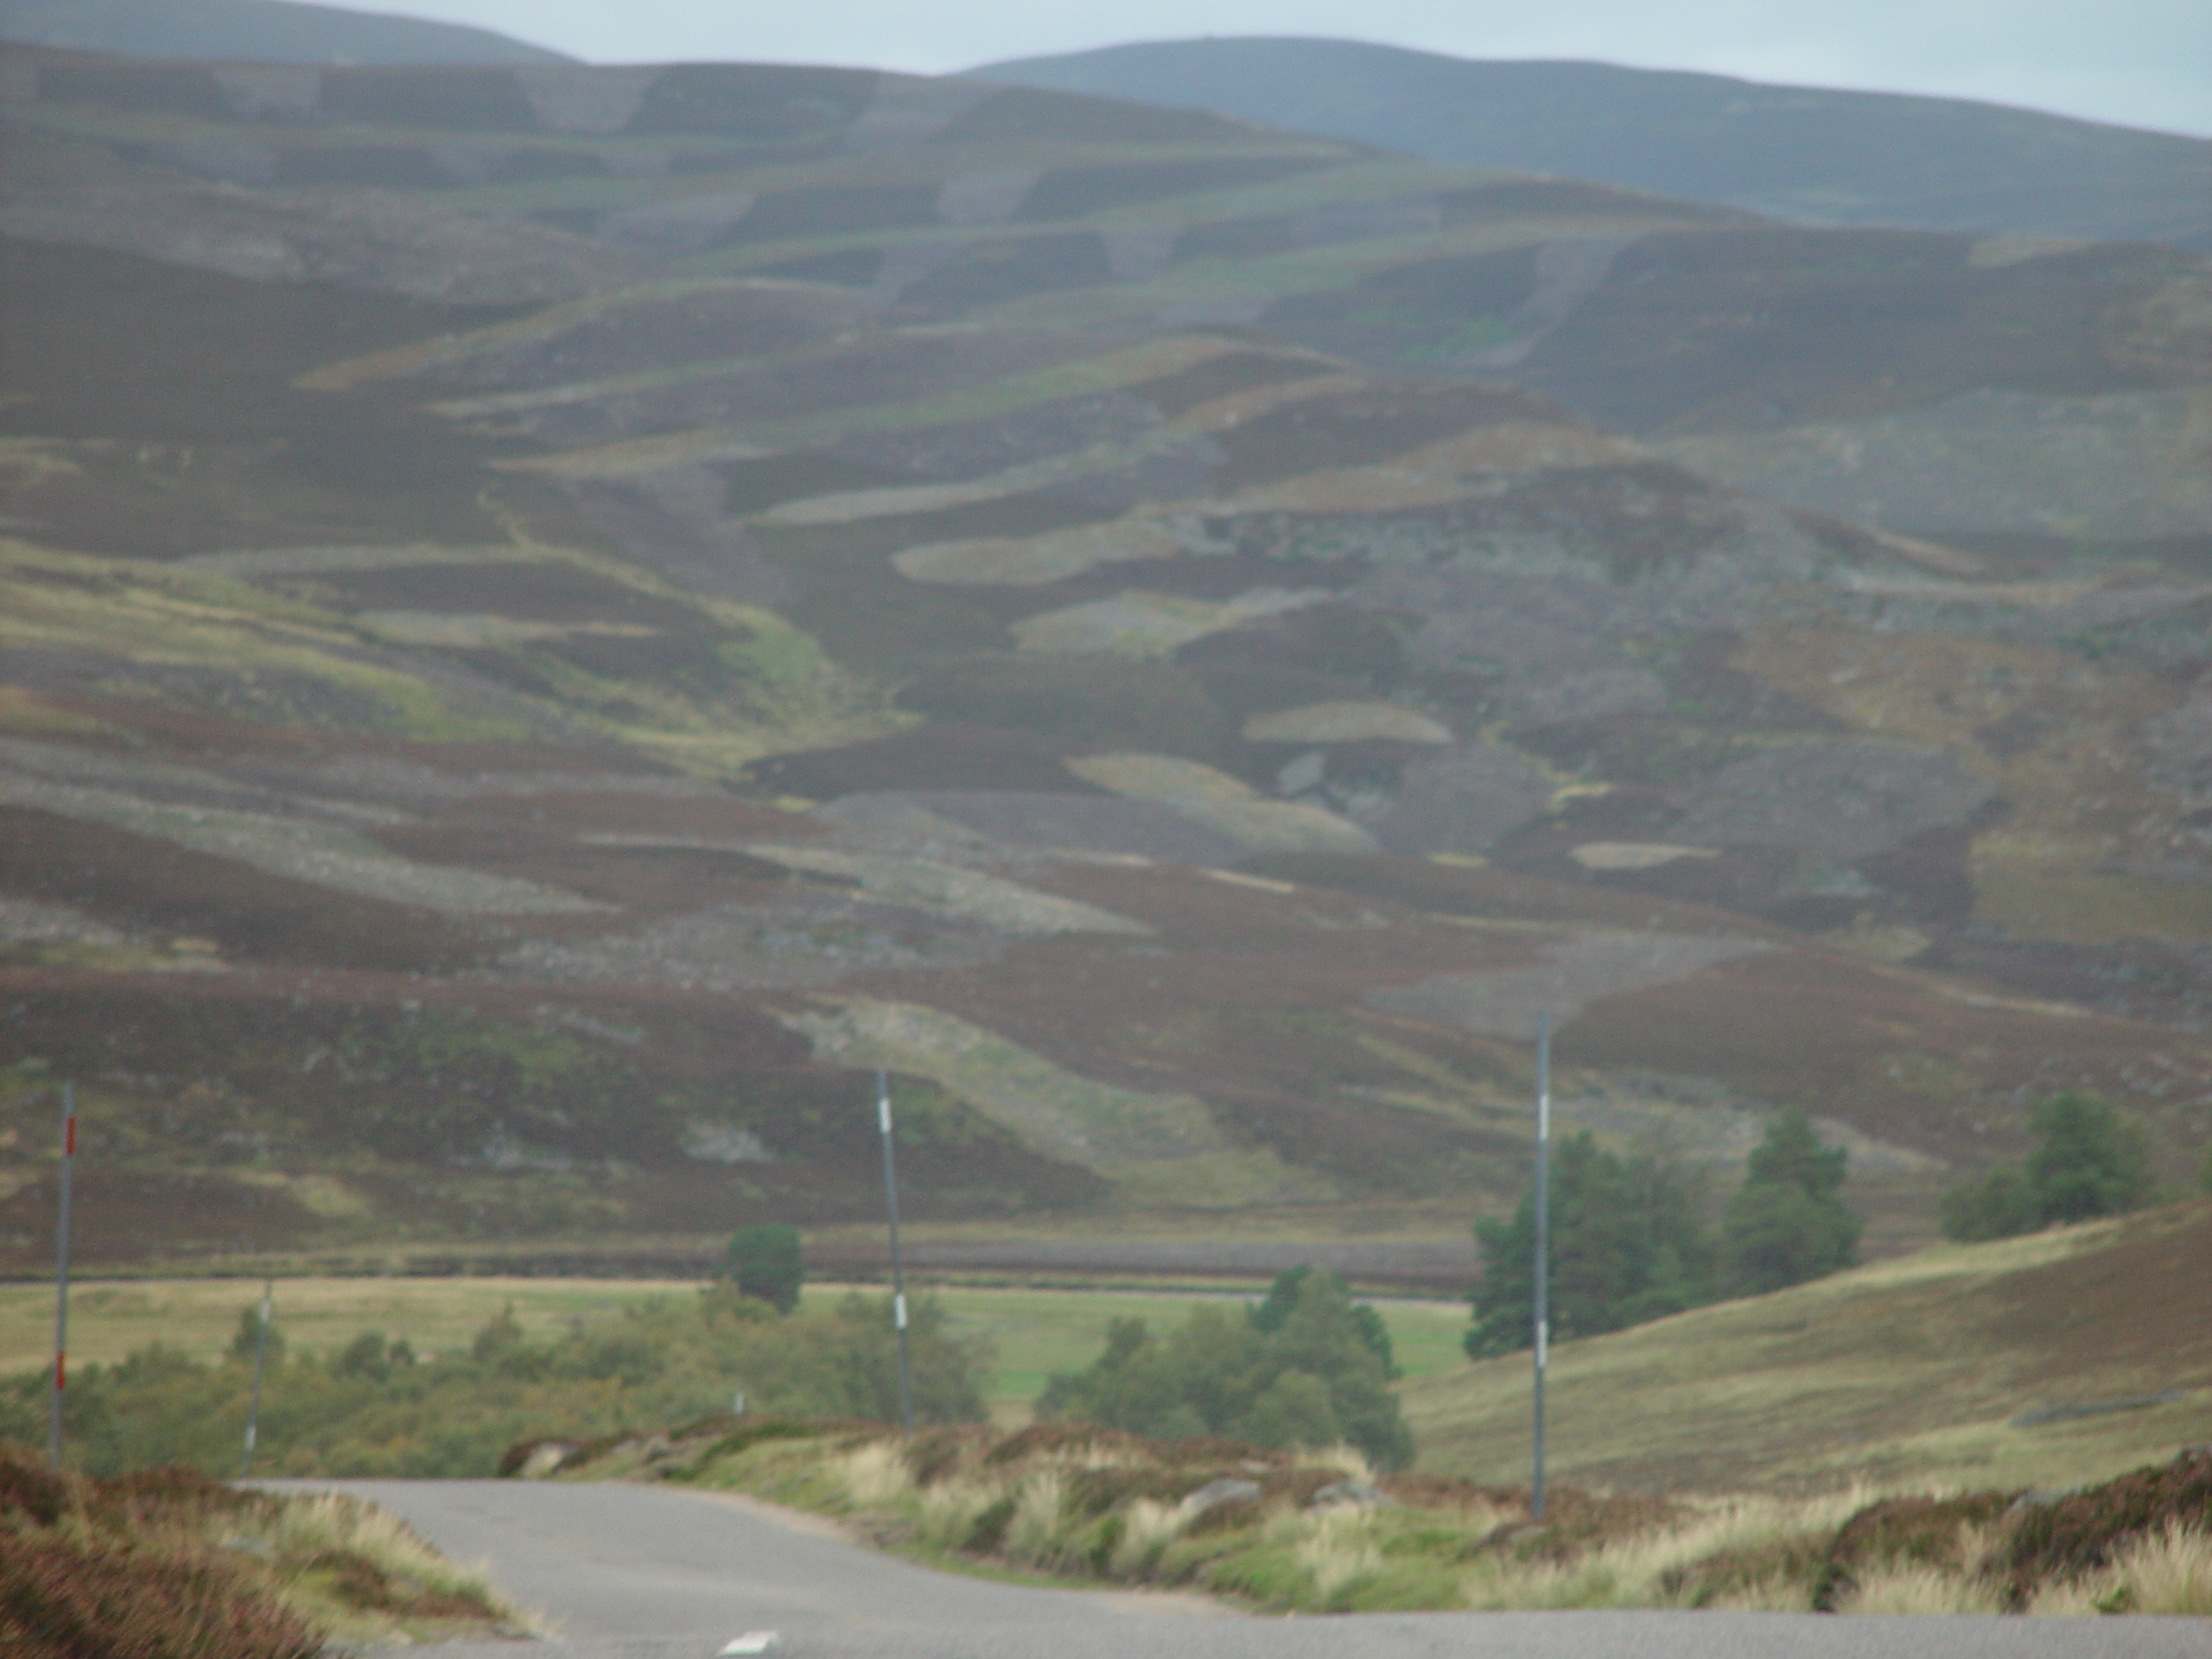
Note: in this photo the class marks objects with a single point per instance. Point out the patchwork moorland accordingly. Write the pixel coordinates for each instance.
(554, 619)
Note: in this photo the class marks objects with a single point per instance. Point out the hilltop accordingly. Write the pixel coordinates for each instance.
(557, 618)
(257, 31)
(1817, 156)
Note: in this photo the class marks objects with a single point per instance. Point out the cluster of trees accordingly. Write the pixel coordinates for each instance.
(2086, 1163)
(375, 1407)
(1308, 1366)
(1629, 1241)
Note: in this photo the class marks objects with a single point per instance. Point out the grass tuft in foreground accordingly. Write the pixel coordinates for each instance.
(168, 1562)
(1318, 1531)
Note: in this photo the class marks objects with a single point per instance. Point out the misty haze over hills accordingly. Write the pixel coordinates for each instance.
(1810, 154)
(263, 31)
(1816, 155)
(556, 617)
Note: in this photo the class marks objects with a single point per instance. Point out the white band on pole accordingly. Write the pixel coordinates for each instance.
(898, 1307)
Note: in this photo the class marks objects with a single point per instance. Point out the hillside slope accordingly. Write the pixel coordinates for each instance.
(256, 31)
(1814, 154)
(2017, 395)
(2064, 1356)
(557, 618)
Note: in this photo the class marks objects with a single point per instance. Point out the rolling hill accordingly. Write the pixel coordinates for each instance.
(1816, 155)
(256, 31)
(2063, 1358)
(557, 618)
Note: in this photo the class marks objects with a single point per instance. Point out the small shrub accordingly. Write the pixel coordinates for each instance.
(989, 1533)
(767, 1263)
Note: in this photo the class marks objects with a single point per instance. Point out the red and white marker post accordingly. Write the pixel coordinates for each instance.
(61, 1270)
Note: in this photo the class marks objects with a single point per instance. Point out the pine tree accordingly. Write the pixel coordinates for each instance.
(1627, 1245)
(1788, 1222)
(2087, 1162)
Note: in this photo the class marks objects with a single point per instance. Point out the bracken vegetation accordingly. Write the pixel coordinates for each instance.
(169, 1563)
(1321, 1531)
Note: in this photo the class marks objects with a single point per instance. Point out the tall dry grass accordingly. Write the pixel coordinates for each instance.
(387, 1578)
(1338, 1549)
(1659, 1566)
(2169, 1570)
(1036, 1532)
(876, 1475)
(1067, 1499)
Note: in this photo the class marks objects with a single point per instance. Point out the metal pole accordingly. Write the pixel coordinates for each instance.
(1543, 1263)
(898, 1270)
(260, 1356)
(61, 1270)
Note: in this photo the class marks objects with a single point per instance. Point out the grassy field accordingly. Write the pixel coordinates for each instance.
(1036, 1333)
(2044, 1361)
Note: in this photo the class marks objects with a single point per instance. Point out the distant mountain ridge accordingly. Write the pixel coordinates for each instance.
(1812, 154)
(259, 31)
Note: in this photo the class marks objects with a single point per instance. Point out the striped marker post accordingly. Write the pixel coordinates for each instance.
(61, 1271)
(898, 1270)
(260, 1358)
(1543, 1261)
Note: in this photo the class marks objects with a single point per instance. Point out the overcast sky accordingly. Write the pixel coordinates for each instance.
(2141, 62)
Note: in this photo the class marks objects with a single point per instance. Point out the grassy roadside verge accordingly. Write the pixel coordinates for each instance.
(170, 1562)
(1317, 1532)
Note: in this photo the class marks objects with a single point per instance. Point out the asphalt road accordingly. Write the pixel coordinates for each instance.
(645, 1572)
